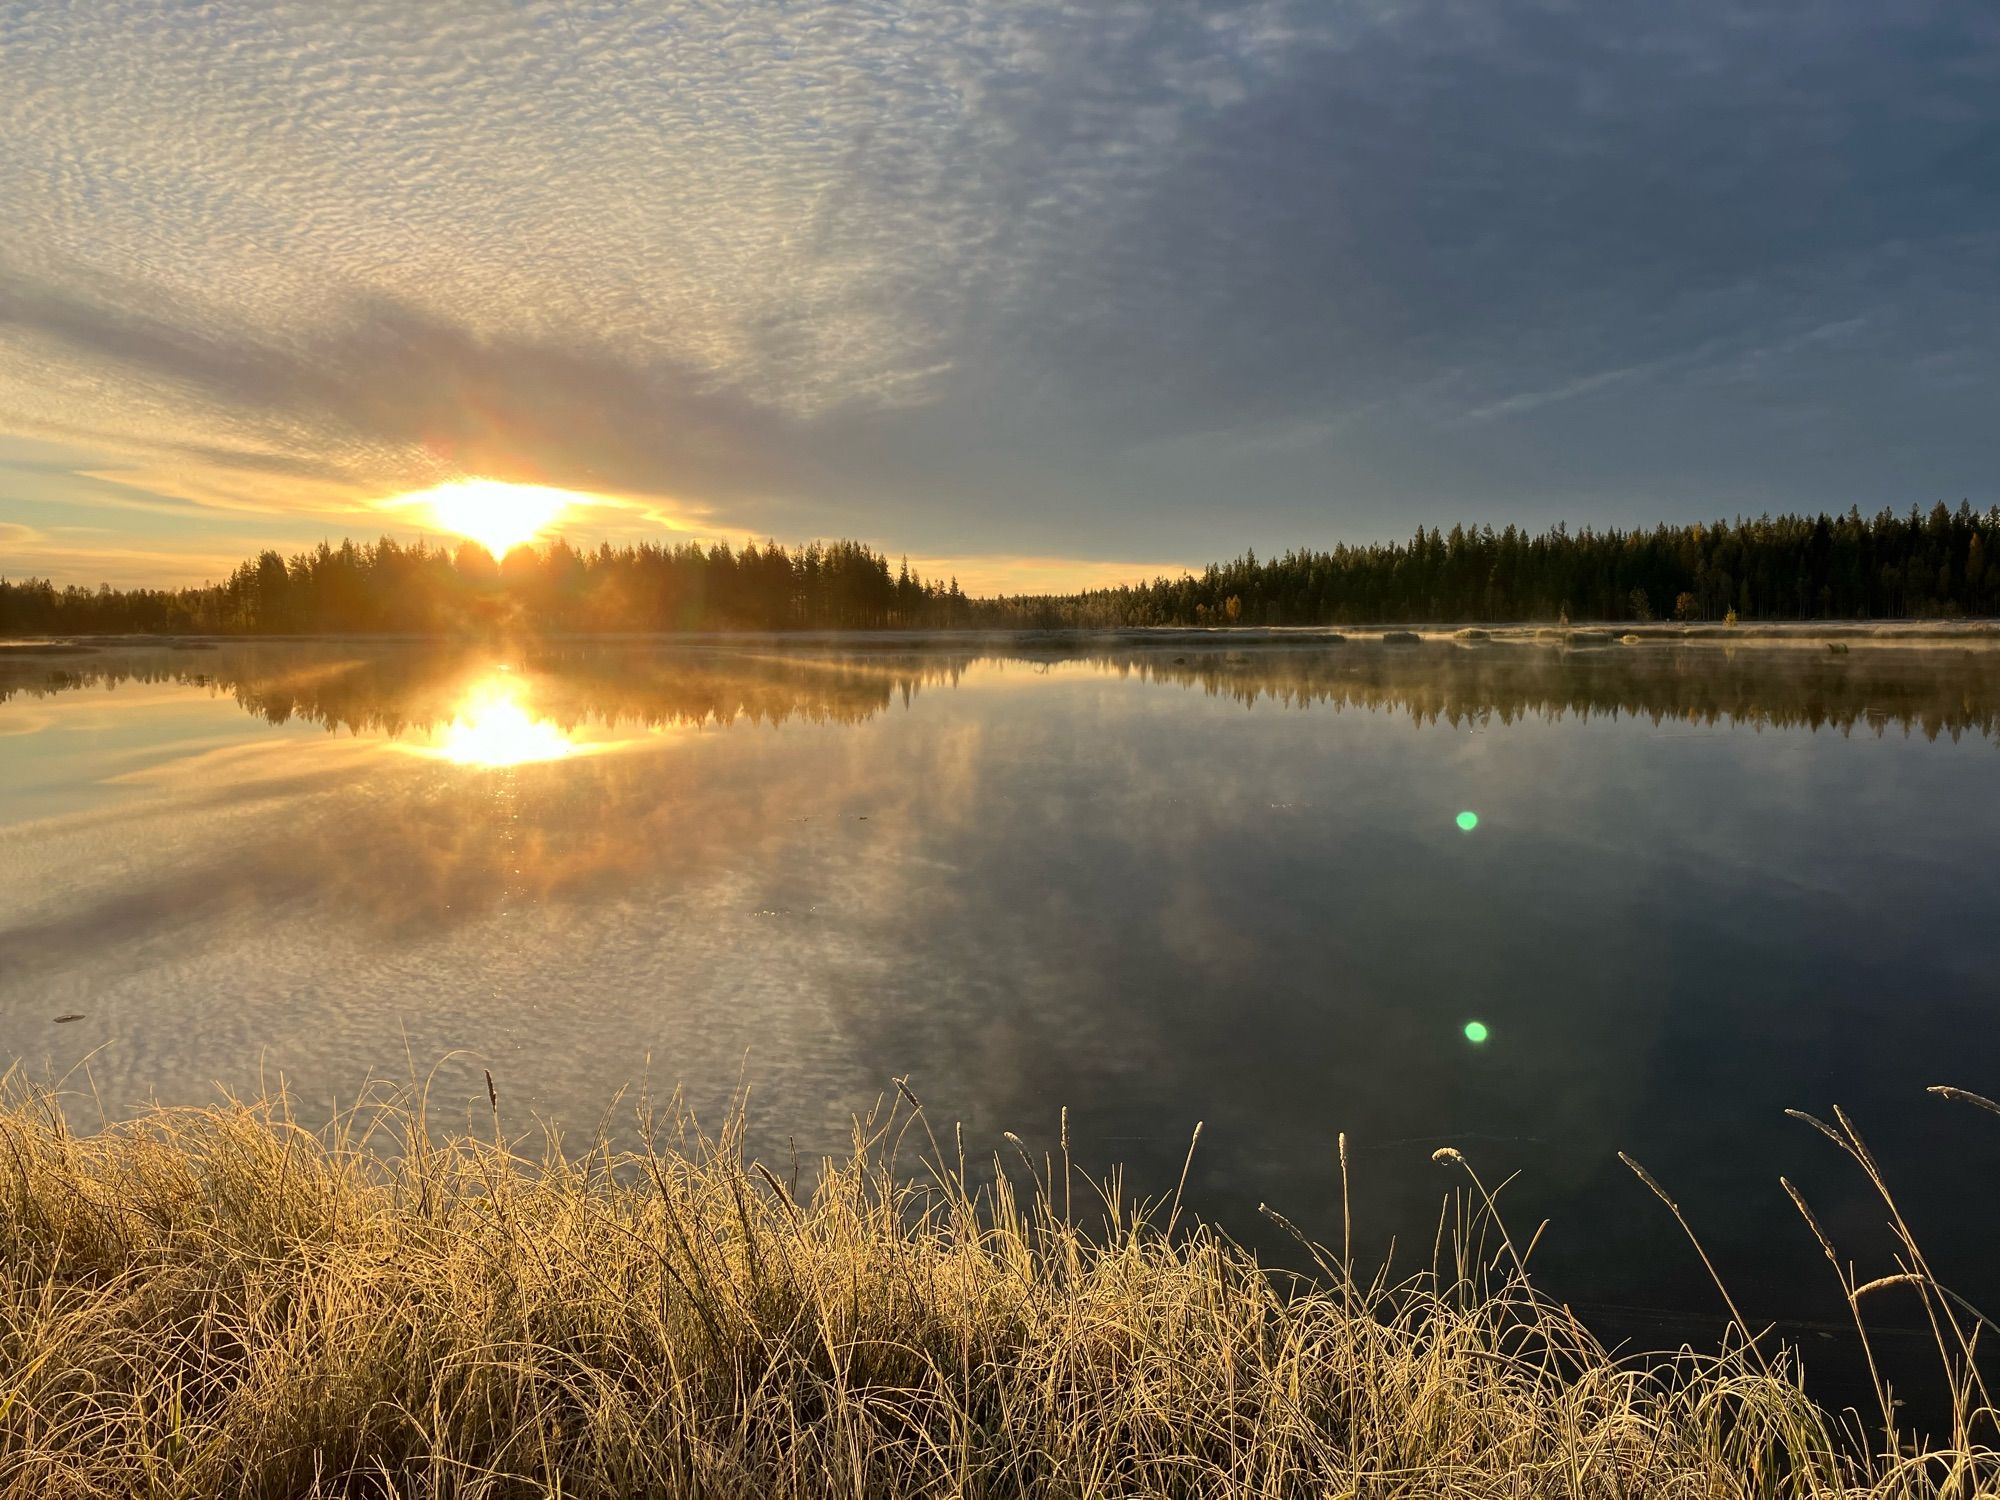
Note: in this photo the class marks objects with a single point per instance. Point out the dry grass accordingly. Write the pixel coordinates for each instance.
(218, 1302)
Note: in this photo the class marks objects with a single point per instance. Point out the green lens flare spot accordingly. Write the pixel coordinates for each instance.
(1475, 1032)
(1467, 821)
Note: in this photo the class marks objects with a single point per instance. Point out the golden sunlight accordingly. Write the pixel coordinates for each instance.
(497, 515)
(491, 728)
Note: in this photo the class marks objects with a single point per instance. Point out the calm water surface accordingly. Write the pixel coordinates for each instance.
(1158, 885)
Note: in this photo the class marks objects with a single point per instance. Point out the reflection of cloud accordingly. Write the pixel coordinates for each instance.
(196, 770)
(27, 723)
(387, 842)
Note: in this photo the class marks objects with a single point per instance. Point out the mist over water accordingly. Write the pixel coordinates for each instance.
(1158, 885)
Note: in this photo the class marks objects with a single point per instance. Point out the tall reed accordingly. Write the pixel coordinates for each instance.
(219, 1302)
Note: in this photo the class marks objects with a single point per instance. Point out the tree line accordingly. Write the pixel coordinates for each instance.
(1887, 566)
(1792, 567)
(386, 586)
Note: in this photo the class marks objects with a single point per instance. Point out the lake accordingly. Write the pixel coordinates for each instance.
(1158, 882)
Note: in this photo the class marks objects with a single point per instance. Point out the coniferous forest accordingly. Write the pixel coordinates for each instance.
(423, 589)
(1848, 567)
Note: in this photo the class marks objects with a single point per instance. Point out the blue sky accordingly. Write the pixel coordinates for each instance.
(1037, 292)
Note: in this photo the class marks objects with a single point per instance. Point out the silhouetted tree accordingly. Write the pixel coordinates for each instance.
(420, 589)
(1772, 568)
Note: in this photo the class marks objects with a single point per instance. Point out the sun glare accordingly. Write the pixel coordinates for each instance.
(492, 728)
(497, 515)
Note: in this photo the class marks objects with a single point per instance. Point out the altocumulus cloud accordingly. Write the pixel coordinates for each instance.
(1096, 280)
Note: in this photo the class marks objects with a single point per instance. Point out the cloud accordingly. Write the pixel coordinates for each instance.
(1036, 279)
(385, 394)
(27, 554)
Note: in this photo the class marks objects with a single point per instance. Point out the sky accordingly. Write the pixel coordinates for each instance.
(1041, 294)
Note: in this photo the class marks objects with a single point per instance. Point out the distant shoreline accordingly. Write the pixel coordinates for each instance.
(1584, 633)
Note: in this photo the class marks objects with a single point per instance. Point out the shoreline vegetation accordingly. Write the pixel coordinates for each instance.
(1579, 633)
(1934, 566)
(221, 1302)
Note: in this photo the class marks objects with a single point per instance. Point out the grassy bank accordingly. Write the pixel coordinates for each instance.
(219, 1303)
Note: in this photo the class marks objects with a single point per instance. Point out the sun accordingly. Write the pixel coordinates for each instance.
(497, 515)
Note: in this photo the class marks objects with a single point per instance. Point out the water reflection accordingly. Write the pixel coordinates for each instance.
(1933, 691)
(1539, 904)
(499, 722)
(492, 729)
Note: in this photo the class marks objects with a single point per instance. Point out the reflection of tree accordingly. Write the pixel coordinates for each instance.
(412, 689)
(398, 690)
(1931, 692)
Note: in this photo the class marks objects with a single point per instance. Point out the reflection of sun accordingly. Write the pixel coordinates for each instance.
(491, 728)
(497, 515)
